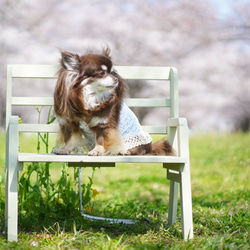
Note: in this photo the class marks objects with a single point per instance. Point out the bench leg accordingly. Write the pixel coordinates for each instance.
(11, 174)
(173, 202)
(181, 177)
(12, 203)
(186, 204)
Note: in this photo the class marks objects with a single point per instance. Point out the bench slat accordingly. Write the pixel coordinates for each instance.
(147, 102)
(155, 129)
(32, 101)
(131, 102)
(34, 70)
(54, 128)
(127, 72)
(35, 157)
(43, 128)
(143, 72)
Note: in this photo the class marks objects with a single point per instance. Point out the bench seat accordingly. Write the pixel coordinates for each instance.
(85, 159)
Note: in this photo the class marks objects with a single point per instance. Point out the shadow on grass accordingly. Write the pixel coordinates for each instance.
(75, 222)
(150, 216)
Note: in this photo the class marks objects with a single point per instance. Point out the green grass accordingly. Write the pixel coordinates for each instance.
(220, 167)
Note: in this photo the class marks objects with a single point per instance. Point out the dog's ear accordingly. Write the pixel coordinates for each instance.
(106, 52)
(70, 61)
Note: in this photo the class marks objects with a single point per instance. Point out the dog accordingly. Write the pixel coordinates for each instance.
(88, 103)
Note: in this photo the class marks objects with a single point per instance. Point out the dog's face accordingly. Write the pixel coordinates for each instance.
(99, 80)
(94, 74)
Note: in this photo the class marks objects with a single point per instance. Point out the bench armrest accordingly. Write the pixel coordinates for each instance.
(11, 132)
(13, 119)
(178, 136)
(12, 141)
(175, 122)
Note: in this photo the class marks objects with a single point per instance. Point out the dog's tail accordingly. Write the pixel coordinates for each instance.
(162, 147)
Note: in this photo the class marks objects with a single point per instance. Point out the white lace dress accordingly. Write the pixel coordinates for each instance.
(132, 133)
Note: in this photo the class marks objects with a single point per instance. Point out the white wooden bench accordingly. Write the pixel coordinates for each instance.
(178, 167)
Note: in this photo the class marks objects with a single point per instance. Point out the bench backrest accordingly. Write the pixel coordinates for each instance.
(34, 71)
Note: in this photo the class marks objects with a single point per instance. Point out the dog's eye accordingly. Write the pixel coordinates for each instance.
(102, 73)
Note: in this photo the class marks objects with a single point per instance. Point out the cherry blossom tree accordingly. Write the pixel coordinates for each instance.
(211, 51)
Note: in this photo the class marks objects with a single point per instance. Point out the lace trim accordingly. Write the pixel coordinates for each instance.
(134, 141)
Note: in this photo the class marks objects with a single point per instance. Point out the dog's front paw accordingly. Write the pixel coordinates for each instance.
(61, 151)
(97, 151)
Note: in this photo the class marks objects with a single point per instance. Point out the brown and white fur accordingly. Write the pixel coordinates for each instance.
(87, 102)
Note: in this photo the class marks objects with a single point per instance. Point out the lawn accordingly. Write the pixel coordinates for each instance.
(220, 168)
